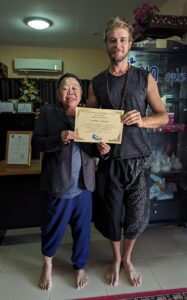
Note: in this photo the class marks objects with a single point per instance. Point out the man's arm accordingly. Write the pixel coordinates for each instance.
(159, 116)
(92, 100)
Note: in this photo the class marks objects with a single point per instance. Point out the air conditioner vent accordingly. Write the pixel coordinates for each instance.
(37, 65)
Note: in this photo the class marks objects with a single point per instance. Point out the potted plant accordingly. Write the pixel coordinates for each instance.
(29, 92)
(142, 17)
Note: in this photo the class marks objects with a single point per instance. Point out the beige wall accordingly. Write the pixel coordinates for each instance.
(174, 7)
(84, 62)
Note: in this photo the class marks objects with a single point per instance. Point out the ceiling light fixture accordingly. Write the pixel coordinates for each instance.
(38, 23)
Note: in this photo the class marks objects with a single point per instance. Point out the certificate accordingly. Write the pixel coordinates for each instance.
(18, 148)
(95, 125)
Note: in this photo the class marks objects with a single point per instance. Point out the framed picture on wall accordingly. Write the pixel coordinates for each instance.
(18, 148)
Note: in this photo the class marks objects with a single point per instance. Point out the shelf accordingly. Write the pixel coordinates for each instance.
(174, 128)
(169, 210)
(177, 127)
(167, 25)
(172, 171)
(177, 196)
(172, 47)
(17, 113)
(153, 50)
(176, 100)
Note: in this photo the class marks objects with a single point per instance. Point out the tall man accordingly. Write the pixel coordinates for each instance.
(123, 178)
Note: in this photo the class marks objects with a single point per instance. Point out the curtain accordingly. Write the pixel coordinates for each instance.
(9, 89)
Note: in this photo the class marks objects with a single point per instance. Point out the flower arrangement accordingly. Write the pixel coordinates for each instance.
(142, 16)
(28, 91)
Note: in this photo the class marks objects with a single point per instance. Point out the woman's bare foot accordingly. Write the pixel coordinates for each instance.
(45, 282)
(134, 277)
(112, 276)
(81, 279)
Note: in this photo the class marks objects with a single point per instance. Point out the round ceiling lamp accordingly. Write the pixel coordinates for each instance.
(38, 23)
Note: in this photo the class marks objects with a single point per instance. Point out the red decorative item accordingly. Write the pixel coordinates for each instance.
(174, 128)
(142, 16)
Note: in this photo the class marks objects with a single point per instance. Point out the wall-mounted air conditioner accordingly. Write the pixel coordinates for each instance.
(37, 65)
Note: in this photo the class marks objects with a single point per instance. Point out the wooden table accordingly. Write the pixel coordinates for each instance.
(5, 170)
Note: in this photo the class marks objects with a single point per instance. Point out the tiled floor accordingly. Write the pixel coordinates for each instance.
(160, 254)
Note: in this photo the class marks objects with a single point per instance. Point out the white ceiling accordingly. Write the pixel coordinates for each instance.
(77, 23)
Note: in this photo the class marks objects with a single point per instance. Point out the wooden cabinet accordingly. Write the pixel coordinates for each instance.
(20, 196)
(19, 186)
(168, 211)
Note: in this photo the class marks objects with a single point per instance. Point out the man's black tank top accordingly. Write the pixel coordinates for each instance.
(134, 139)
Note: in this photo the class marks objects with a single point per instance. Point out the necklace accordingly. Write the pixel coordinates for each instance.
(125, 91)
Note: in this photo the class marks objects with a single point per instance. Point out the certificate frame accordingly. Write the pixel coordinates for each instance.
(94, 125)
(6, 107)
(25, 107)
(18, 148)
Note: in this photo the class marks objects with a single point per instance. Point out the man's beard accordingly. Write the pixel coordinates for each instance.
(115, 59)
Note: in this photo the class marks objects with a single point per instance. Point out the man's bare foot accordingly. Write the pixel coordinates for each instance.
(112, 276)
(81, 279)
(134, 277)
(45, 282)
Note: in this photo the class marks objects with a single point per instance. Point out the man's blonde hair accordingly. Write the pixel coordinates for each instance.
(118, 22)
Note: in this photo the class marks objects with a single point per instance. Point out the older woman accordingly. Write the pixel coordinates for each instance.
(67, 180)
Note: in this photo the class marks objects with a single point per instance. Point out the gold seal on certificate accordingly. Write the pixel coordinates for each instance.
(95, 125)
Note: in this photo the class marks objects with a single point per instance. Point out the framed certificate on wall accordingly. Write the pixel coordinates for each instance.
(18, 148)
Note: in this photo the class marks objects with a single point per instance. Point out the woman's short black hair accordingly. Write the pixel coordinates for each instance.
(67, 75)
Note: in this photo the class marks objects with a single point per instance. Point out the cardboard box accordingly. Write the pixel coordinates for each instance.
(161, 43)
(3, 71)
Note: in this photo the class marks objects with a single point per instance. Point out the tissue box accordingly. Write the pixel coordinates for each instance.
(3, 71)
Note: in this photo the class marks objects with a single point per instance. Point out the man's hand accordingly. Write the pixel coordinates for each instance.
(133, 117)
(103, 148)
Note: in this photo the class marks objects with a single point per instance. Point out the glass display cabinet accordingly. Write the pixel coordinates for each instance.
(168, 192)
